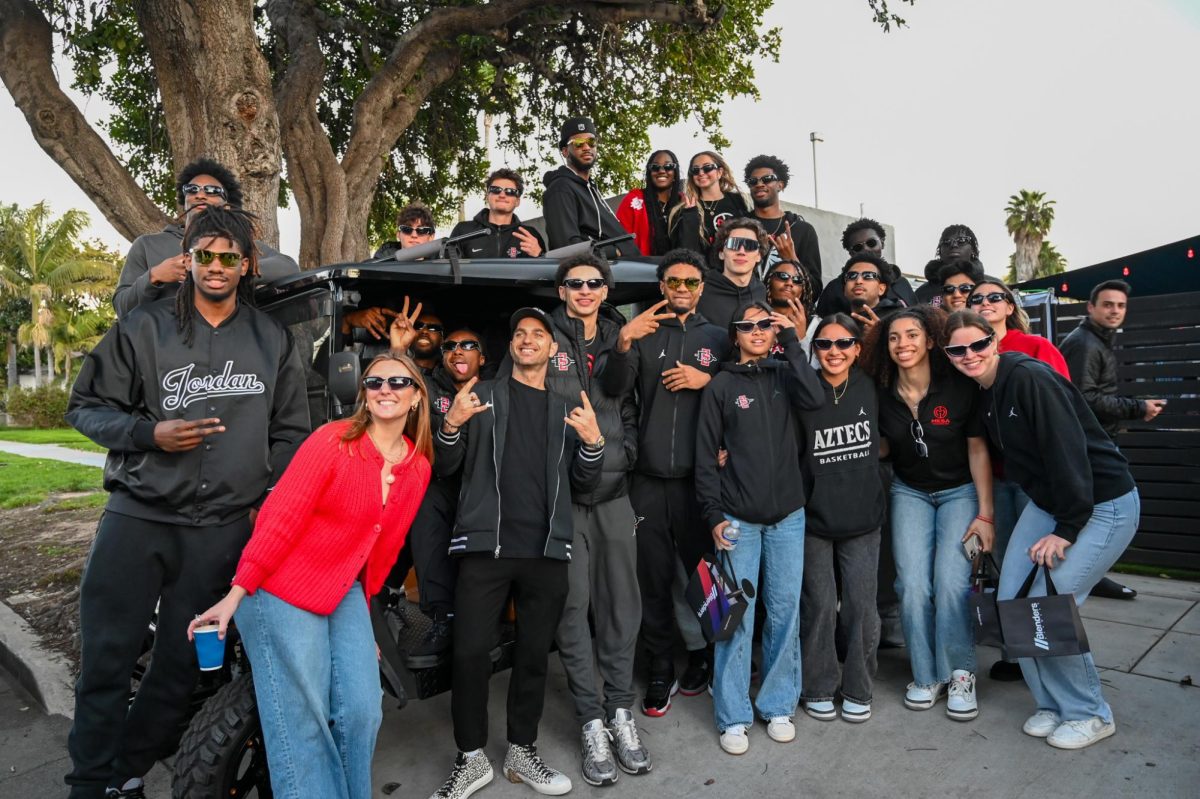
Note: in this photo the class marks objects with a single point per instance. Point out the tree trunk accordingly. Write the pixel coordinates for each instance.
(51, 365)
(37, 364)
(14, 376)
(1026, 259)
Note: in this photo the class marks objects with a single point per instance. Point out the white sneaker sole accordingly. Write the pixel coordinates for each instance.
(914, 705)
(1107, 732)
(736, 750)
(1044, 731)
(480, 783)
(856, 718)
(821, 715)
(963, 715)
(785, 738)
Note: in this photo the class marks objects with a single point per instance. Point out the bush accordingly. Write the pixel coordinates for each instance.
(42, 407)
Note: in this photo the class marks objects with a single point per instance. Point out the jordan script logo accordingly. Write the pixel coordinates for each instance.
(180, 389)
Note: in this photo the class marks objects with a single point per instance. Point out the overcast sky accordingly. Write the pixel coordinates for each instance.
(1089, 101)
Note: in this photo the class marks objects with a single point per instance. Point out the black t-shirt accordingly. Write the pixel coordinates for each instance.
(948, 414)
(524, 522)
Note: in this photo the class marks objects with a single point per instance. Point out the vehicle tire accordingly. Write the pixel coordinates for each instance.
(222, 754)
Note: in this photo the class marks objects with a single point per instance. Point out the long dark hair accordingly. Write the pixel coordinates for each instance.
(877, 361)
(219, 221)
(660, 239)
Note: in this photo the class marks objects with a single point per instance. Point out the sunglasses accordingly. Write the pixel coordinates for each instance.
(788, 277)
(195, 188)
(869, 244)
(692, 283)
(867, 276)
(593, 283)
(826, 344)
(957, 241)
(667, 167)
(705, 168)
(765, 179)
(507, 191)
(749, 325)
(395, 382)
(432, 327)
(961, 288)
(957, 351)
(992, 298)
(579, 142)
(229, 260)
(467, 345)
(423, 230)
(739, 243)
(918, 434)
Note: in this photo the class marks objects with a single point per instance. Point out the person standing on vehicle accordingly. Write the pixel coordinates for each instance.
(667, 354)
(509, 238)
(322, 547)
(157, 264)
(414, 226)
(864, 236)
(201, 401)
(738, 248)
(522, 451)
(644, 212)
(574, 209)
(791, 237)
(712, 198)
(602, 576)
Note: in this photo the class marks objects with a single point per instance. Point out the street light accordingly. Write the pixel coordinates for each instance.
(815, 137)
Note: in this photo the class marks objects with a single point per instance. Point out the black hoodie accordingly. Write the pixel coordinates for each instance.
(575, 212)
(1053, 446)
(900, 294)
(749, 410)
(667, 419)
(722, 298)
(501, 244)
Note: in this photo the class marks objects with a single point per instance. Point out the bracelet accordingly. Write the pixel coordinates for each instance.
(453, 431)
(986, 520)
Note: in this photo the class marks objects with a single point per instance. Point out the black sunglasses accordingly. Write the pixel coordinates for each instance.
(508, 191)
(868, 276)
(992, 297)
(395, 382)
(432, 327)
(196, 188)
(826, 344)
(918, 434)
(957, 241)
(673, 283)
(961, 288)
(960, 350)
(869, 244)
(423, 230)
(740, 243)
(705, 168)
(229, 260)
(748, 325)
(752, 182)
(593, 283)
(467, 345)
(786, 277)
(667, 167)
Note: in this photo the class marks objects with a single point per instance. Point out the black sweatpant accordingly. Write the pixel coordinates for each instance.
(539, 590)
(133, 564)
(428, 546)
(669, 530)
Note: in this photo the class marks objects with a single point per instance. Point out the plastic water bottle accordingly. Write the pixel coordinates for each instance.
(732, 533)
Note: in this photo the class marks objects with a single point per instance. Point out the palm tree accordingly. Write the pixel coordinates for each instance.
(1030, 216)
(1050, 262)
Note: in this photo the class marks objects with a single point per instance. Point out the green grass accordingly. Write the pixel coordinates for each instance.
(63, 436)
(1158, 571)
(30, 481)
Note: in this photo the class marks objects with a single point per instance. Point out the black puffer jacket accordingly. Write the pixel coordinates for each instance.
(1089, 353)
(617, 415)
(575, 211)
(501, 244)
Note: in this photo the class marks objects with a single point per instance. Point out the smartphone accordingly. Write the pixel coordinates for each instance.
(973, 547)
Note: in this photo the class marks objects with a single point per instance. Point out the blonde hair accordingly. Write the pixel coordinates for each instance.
(416, 426)
(728, 185)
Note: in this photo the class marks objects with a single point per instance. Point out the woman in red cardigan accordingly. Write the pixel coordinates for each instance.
(323, 543)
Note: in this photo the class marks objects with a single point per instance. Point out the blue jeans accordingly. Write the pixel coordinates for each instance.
(317, 683)
(1070, 685)
(1010, 502)
(779, 549)
(933, 578)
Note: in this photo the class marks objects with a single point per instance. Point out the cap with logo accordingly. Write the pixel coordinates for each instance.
(575, 126)
(529, 312)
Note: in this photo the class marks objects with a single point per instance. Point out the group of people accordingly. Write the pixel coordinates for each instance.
(815, 436)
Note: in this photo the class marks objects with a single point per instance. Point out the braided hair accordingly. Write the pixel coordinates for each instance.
(225, 222)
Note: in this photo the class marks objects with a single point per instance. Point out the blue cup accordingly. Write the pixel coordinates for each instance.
(210, 650)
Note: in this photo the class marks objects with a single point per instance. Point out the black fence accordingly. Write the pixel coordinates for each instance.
(1158, 356)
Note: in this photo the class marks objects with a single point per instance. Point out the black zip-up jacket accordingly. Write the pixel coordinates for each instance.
(667, 419)
(899, 295)
(477, 450)
(501, 244)
(246, 372)
(722, 298)
(1053, 446)
(804, 239)
(750, 411)
(1088, 350)
(575, 212)
(841, 461)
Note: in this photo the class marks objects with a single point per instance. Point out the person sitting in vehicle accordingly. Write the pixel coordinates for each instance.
(414, 225)
(509, 238)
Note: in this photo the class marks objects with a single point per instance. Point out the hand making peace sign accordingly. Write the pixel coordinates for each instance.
(642, 325)
(401, 332)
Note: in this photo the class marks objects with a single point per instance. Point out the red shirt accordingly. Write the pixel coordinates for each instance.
(1035, 347)
(325, 524)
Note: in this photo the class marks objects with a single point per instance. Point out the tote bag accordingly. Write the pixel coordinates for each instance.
(1041, 626)
(985, 620)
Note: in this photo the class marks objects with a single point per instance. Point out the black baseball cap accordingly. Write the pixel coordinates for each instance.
(573, 127)
(529, 312)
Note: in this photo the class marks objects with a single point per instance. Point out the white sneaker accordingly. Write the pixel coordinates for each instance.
(734, 740)
(1041, 724)
(1081, 733)
(923, 697)
(522, 764)
(854, 712)
(821, 711)
(781, 729)
(960, 702)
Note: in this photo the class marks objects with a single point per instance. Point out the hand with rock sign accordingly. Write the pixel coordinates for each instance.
(466, 404)
(402, 333)
(784, 246)
(642, 325)
(583, 420)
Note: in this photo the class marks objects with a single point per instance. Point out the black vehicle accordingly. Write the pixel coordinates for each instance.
(221, 753)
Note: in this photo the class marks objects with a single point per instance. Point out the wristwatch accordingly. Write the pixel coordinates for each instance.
(597, 444)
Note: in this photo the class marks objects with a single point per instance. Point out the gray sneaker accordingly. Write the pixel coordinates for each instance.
(469, 775)
(632, 757)
(598, 765)
(522, 764)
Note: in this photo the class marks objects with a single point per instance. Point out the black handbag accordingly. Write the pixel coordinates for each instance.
(716, 599)
(985, 620)
(1041, 626)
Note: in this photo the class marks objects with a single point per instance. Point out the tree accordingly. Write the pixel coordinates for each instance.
(1050, 262)
(369, 102)
(1030, 216)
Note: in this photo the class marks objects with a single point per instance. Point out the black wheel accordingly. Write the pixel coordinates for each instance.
(222, 754)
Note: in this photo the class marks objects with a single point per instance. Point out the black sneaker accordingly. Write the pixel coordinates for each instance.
(657, 700)
(1111, 589)
(1006, 671)
(437, 640)
(698, 673)
(135, 792)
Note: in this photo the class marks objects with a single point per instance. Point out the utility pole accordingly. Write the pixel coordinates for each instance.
(815, 137)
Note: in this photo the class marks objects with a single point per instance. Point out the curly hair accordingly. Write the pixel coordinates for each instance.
(877, 361)
(808, 292)
(770, 162)
(681, 255)
(584, 259)
(960, 266)
(725, 230)
(207, 166)
(862, 224)
(958, 230)
(415, 214)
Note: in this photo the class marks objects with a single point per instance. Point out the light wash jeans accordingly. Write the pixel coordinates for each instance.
(933, 578)
(1069, 685)
(779, 549)
(317, 683)
(1010, 502)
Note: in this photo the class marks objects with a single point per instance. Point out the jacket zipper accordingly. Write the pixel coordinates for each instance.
(557, 488)
(675, 399)
(496, 471)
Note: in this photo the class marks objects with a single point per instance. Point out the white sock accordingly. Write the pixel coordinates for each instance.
(473, 753)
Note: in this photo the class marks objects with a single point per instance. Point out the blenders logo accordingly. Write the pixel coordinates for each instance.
(442, 404)
(562, 362)
(703, 356)
(941, 416)
(1039, 630)
(180, 389)
(743, 401)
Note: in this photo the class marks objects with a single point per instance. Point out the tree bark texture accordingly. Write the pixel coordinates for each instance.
(1026, 259)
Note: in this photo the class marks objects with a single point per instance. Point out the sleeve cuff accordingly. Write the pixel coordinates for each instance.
(449, 439)
(142, 435)
(249, 576)
(591, 455)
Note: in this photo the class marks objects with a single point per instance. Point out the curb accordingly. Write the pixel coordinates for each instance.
(45, 675)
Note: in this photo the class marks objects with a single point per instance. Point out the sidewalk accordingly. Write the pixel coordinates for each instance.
(54, 452)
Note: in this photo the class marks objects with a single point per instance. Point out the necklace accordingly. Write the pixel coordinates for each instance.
(710, 206)
(391, 478)
(836, 396)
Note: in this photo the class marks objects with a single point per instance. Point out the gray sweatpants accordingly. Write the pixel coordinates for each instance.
(602, 575)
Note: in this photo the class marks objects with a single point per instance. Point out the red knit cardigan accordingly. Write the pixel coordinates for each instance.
(325, 525)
